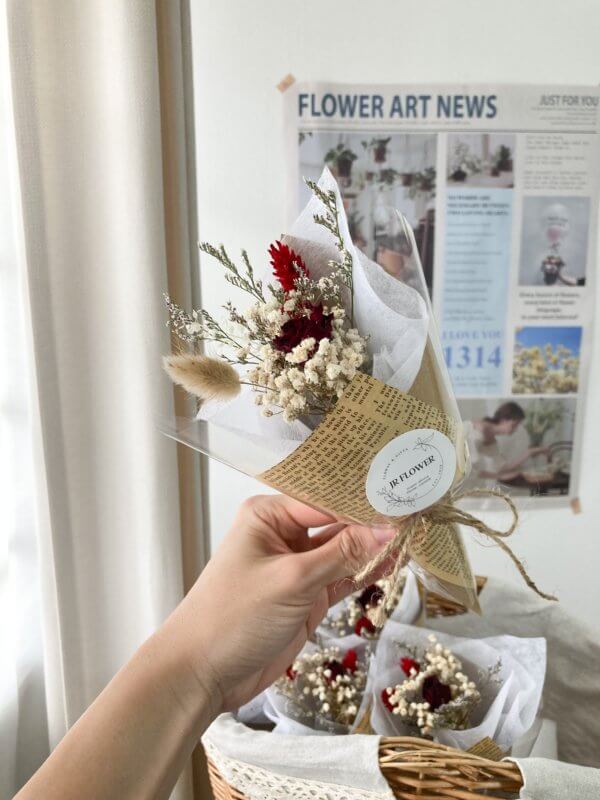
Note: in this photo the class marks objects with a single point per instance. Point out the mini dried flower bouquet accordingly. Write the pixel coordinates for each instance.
(294, 346)
(321, 691)
(456, 691)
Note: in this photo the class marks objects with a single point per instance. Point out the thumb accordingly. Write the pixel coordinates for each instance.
(345, 553)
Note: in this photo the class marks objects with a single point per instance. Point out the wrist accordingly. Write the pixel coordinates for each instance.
(190, 679)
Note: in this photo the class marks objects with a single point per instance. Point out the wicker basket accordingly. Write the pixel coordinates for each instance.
(423, 769)
(420, 768)
(435, 605)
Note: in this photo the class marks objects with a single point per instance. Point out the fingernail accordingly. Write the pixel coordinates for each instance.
(383, 533)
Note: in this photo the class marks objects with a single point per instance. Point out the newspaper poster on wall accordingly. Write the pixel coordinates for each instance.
(500, 184)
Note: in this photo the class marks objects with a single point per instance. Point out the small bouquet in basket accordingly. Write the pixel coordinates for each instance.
(330, 386)
(460, 692)
(355, 615)
(321, 691)
(435, 692)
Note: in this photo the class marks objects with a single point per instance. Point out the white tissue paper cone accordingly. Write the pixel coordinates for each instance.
(507, 710)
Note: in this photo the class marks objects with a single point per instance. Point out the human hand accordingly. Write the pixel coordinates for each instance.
(265, 591)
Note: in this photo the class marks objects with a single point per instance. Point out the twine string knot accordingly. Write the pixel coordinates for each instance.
(412, 529)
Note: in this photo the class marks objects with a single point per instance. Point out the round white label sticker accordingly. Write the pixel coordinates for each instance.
(412, 472)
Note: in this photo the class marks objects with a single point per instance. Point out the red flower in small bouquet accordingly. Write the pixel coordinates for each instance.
(287, 265)
(311, 323)
(385, 699)
(370, 596)
(409, 664)
(435, 692)
(364, 627)
(350, 661)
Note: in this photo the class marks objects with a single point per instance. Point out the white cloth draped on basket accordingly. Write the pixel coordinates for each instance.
(98, 240)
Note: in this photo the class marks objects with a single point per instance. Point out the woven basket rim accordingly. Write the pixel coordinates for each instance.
(416, 767)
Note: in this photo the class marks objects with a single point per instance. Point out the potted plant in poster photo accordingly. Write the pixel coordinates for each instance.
(339, 159)
(463, 163)
(423, 182)
(379, 148)
(503, 159)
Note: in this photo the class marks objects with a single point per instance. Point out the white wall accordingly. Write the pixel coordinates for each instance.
(242, 50)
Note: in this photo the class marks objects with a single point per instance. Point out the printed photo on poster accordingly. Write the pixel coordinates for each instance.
(554, 241)
(377, 174)
(525, 444)
(481, 160)
(546, 360)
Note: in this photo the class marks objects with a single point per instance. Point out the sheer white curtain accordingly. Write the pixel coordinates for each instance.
(93, 150)
(23, 726)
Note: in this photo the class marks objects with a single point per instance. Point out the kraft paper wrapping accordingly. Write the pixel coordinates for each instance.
(487, 748)
(329, 470)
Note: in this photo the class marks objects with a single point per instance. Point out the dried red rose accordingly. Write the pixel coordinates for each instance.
(409, 663)
(371, 596)
(335, 668)
(291, 673)
(317, 325)
(385, 699)
(435, 692)
(350, 661)
(287, 265)
(364, 624)
(348, 664)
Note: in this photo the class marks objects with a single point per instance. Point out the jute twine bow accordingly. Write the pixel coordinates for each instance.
(416, 526)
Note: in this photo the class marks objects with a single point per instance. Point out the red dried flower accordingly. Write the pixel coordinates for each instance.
(287, 265)
(350, 661)
(435, 692)
(335, 668)
(364, 624)
(317, 325)
(371, 596)
(385, 699)
(291, 673)
(409, 663)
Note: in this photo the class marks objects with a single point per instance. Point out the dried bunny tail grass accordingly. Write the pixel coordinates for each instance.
(205, 377)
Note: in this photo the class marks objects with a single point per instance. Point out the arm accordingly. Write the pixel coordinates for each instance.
(511, 469)
(513, 465)
(240, 626)
(567, 279)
